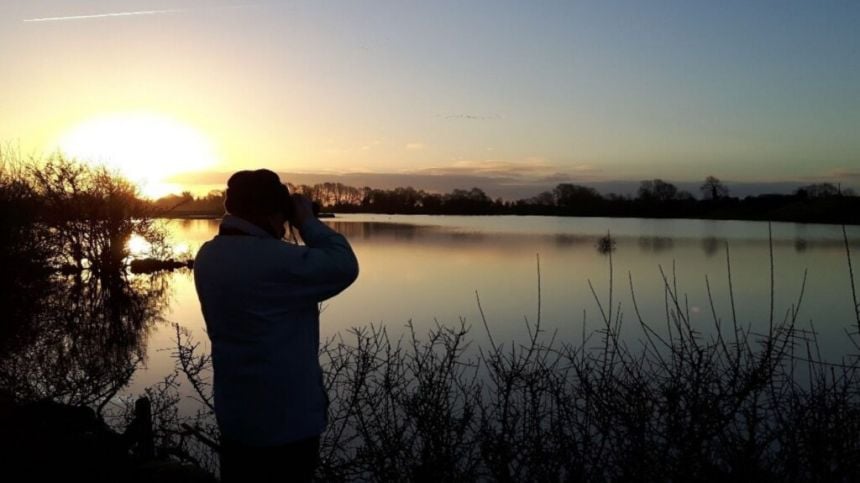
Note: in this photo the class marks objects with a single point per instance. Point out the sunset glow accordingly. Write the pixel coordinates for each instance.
(137, 246)
(145, 147)
(479, 235)
(508, 98)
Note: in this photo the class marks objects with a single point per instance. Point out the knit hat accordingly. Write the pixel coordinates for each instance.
(257, 193)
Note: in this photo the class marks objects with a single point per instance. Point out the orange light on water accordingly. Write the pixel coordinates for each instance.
(138, 246)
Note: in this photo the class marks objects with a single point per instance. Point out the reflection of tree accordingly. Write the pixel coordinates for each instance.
(606, 244)
(83, 339)
(368, 230)
(710, 245)
(382, 232)
(800, 245)
(655, 244)
(567, 240)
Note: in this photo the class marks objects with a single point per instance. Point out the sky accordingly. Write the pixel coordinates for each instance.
(503, 94)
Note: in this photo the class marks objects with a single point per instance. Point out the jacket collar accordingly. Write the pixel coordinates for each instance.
(232, 222)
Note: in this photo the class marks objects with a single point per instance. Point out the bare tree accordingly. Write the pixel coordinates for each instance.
(714, 189)
(657, 190)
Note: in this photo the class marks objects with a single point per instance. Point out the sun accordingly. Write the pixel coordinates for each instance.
(145, 147)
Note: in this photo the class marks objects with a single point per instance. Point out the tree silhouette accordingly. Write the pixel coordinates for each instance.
(568, 195)
(821, 202)
(817, 190)
(714, 189)
(657, 190)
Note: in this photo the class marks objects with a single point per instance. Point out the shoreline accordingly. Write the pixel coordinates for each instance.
(213, 216)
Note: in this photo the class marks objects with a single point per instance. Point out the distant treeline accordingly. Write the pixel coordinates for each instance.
(814, 203)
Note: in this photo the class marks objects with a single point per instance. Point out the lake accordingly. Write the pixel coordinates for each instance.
(428, 270)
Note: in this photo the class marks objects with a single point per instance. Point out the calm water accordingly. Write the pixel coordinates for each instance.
(429, 268)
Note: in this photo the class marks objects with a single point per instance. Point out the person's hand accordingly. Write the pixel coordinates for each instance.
(303, 209)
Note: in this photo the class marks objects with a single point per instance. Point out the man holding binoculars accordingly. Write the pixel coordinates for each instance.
(260, 299)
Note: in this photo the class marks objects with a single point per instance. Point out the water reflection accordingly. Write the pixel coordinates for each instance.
(606, 244)
(366, 231)
(655, 244)
(710, 245)
(568, 240)
(800, 245)
(398, 232)
(72, 333)
(469, 232)
(79, 338)
(428, 269)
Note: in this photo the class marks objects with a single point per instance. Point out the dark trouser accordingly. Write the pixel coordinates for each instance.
(290, 462)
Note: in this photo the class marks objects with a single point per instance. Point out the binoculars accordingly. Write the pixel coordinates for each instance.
(288, 207)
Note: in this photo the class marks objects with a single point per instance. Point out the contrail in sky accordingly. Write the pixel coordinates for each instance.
(130, 14)
(107, 15)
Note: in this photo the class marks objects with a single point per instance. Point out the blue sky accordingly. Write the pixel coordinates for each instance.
(754, 91)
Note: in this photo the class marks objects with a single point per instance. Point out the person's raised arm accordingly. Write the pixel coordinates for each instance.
(327, 265)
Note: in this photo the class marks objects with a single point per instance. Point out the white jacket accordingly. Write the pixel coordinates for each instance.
(259, 297)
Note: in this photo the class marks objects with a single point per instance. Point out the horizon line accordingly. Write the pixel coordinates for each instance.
(182, 177)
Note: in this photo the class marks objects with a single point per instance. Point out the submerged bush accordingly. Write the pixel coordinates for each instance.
(74, 320)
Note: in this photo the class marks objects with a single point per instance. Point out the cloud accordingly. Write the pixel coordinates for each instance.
(338, 150)
(473, 117)
(509, 180)
(527, 171)
(847, 177)
(843, 173)
(415, 146)
(506, 179)
(370, 146)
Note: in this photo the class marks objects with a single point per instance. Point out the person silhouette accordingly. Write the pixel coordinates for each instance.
(260, 300)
